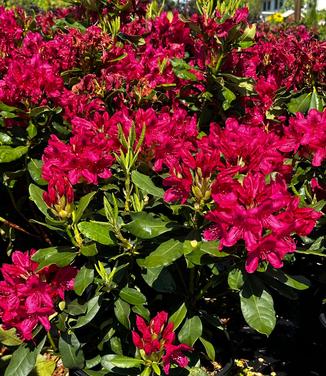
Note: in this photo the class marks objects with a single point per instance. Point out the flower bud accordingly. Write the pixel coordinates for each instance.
(59, 197)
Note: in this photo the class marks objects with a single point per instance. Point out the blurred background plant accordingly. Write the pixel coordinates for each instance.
(42, 4)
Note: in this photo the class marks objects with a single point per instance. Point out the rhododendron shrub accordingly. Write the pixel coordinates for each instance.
(153, 162)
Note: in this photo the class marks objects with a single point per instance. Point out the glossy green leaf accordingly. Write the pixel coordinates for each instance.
(34, 167)
(249, 32)
(93, 307)
(191, 330)
(23, 360)
(314, 253)
(211, 248)
(71, 351)
(5, 139)
(91, 363)
(229, 97)
(97, 231)
(37, 111)
(82, 206)
(141, 311)
(89, 250)
(31, 130)
(90, 372)
(116, 346)
(178, 316)
(120, 361)
(235, 279)
(122, 312)
(36, 195)
(257, 308)
(196, 371)
(44, 366)
(10, 154)
(146, 226)
(6, 107)
(60, 256)
(209, 348)
(9, 337)
(132, 296)
(297, 282)
(160, 279)
(300, 104)
(316, 102)
(165, 254)
(145, 183)
(83, 279)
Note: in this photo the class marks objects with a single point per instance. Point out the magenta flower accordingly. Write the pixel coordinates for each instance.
(27, 297)
(174, 354)
(157, 338)
(270, 249)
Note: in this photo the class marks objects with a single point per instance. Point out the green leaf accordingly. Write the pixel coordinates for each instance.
(196, 371)
(191, 330)
(89, 250)
(235, 279)
(71, 351)
(31, 130)
(211, 248)
(115, 344)
(93, 307)
(318, 206)
(257, 307)
(9, 337)
(145, 183)
(209, 348)
(229, 97)
(5, 139)
(90, 372)
(37, 111)
(297, 282)
(44, 366)
(165, 254)
(36, 195)
(91, 363)
(300, 104)
(141, 311)
(23, 360)
(10, 154)
(60, 256)
(6, 107)
(178, 316)
(249, 32)
(151, 274)
(76, 309)
(185, 74)
(159, 278)
(7, 115)
(82, 206)
(34, 167)
(316, 102)
(146, 226)
(97, 231)
(83, 279)
(120, 361)
(314, 253)
(147, 372)
(122, 312)
(132, 296)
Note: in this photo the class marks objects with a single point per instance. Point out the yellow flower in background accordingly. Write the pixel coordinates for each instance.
(275, 18)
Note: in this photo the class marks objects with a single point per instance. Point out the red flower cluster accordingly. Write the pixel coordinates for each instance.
(163, 74)
(27, 296)
(157, 338)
